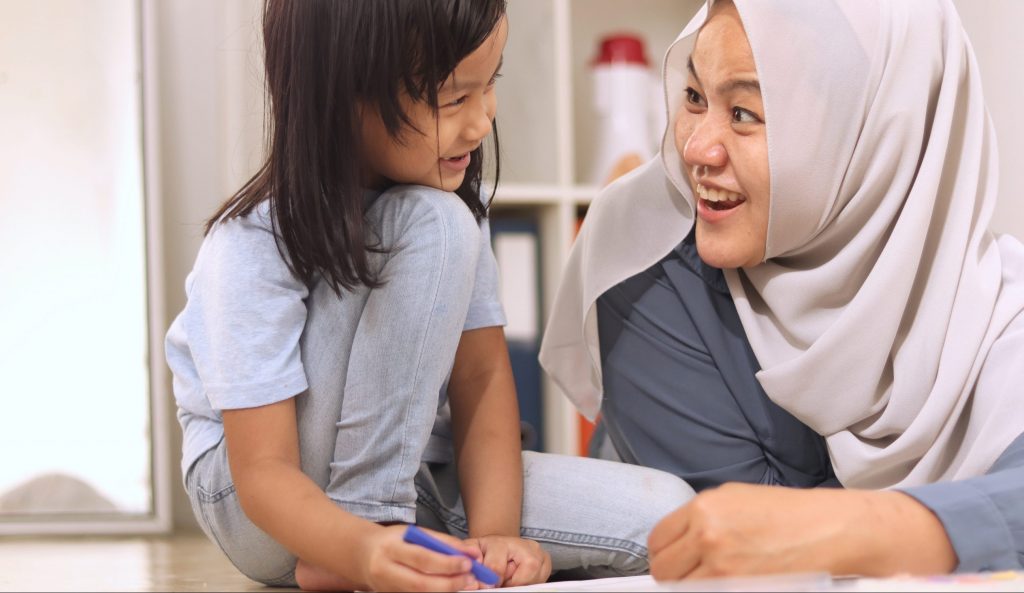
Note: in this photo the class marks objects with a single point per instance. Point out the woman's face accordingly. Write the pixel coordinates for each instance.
(721, 137)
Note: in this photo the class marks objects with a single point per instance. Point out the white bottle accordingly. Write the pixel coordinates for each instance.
(622, 100)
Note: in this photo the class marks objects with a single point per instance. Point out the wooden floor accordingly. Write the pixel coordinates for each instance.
(178, 563)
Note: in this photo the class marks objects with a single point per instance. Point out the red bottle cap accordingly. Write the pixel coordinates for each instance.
(618, 49)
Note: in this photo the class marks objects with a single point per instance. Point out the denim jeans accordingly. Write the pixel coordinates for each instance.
(375, 362)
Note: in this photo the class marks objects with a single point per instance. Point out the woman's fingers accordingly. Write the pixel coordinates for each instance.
(675, 561)
(669, 530)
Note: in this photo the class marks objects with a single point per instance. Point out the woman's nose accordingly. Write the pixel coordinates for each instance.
(704, 146)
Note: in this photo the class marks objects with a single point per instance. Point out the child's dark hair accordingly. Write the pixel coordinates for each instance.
(323, 57)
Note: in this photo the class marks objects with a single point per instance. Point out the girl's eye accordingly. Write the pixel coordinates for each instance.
(456, 102)
(693, 97)
(494, 80)
(742, 116)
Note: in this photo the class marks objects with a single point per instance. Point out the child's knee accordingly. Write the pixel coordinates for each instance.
(672, 491)
(420, 213)
(662, 494)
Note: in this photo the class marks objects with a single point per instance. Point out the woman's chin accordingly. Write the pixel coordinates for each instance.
(725, 253)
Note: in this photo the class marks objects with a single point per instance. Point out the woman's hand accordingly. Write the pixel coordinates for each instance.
(740, 529)
(391, 564)
(516, 561)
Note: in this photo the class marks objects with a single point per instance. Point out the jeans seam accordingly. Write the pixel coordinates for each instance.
(212, 497)
(447, 517)
(419, 358)
(373, 504)
(583, 539)
(285, 579)
(206, 520)
(547, 535)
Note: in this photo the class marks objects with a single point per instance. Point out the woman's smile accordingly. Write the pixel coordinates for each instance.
(715, 204)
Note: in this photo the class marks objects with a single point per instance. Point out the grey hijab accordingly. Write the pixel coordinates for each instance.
(885, 316)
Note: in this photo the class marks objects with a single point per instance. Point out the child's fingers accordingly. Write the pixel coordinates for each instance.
(497, 559)
(529, 566)
(404, 578)
(469, 547)
(429, 562)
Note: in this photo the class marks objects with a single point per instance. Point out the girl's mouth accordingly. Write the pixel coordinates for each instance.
(457, 164)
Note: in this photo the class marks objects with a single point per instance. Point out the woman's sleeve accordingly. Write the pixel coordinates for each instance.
(983, 516)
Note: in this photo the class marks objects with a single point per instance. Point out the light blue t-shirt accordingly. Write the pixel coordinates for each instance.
(222, 361)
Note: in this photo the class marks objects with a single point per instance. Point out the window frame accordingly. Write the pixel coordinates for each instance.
(158, 519)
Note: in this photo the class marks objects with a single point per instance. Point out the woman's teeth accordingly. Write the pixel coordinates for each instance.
(719, 197)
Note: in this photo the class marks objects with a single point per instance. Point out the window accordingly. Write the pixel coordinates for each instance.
(76, 387)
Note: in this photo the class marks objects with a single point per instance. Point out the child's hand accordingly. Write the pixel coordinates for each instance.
(391, 564)
(516, 561)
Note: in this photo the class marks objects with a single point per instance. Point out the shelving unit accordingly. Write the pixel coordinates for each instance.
(545, 123)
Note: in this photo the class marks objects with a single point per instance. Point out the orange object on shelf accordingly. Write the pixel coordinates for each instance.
(624, 165)
(586, 430)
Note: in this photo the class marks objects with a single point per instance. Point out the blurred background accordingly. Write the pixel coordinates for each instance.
(124, 123)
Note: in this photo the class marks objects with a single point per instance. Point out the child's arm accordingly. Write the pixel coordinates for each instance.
(263, 453)
(485, 423)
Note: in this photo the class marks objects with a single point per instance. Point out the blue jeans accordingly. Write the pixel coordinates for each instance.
(376, 361)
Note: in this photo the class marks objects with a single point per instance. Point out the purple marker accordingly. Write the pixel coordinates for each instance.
(415, 535)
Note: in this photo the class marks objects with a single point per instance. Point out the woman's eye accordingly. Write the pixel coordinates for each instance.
(494, 80)
(742, 116)
(693, 97)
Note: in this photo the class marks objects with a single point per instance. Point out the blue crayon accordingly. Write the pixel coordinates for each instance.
(415, 535)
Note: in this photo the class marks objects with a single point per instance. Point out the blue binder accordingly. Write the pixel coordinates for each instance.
(516, 242)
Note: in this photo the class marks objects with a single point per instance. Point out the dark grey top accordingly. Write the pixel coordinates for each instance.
(681, 395)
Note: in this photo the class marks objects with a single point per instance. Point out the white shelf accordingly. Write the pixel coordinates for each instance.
(543, 195)
(546, 124)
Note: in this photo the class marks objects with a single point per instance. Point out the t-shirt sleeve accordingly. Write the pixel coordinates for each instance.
(485, 308)
(245, 315)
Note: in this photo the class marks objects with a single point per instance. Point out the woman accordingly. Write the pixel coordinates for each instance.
(803, 292)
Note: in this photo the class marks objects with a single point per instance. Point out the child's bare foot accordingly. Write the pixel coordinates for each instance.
(314, 578)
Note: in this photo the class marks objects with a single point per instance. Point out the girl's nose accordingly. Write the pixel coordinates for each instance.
(479, 124)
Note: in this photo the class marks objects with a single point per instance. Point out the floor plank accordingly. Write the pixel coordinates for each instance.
(176, 563)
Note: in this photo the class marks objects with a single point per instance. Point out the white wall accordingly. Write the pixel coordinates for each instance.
(994, 29)
(210, 137)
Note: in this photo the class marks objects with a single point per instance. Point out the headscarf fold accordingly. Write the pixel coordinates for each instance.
(883, 314)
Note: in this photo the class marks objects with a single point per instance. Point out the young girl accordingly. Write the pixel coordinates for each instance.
(344, 300)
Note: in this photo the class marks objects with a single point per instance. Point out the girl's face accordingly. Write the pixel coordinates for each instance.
(720, 134)
(437, 155)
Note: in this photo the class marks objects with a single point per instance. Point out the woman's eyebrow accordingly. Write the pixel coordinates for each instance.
(693, 71)
(748, 84)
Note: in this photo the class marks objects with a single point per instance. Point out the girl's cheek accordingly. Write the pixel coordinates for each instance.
(492, 105)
